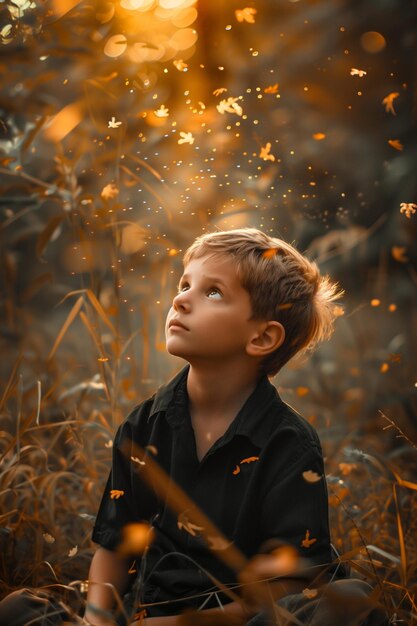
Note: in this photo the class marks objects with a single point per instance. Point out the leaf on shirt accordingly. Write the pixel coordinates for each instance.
(115, 494)
(184, 523)
(236, 470)
(310, 593)
(136, 459)
(218, 543)
(307, 542)
(250, 459)
(311, 477)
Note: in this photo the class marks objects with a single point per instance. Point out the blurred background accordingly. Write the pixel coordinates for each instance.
(127, 128)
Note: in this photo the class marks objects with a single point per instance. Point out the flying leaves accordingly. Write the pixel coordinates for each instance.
(396, 143)
(115, 494)
(311, 477)
(355, 72)
(265, 153)
(408, 208)
(388, 102)
(162, 111)
(246, 15)
(186, 138)
(181, 65)
(307, 542)
(109, 192)
(113, 124)
(230, 105)
(249, 459)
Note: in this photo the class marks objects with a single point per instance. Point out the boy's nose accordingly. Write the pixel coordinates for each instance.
(181, 302)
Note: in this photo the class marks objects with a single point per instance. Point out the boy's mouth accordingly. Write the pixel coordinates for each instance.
(174, 323)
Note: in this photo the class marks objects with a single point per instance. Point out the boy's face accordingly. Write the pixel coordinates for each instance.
(210, 316)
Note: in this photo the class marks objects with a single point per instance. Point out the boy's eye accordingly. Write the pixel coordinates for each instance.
(182, 287)
(214, 293)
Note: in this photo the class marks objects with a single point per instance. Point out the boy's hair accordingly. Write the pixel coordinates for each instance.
(283, 285)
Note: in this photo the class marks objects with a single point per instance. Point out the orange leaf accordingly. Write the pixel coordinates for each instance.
(250, 459)
(115, 494)
(396, 143)
(398, 253)
(236, 470)
(307, 542)
(272, 88)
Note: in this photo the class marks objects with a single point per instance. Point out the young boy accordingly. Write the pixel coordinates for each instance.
(250, 467)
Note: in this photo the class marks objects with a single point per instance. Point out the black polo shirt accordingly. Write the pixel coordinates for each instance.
(262, 480)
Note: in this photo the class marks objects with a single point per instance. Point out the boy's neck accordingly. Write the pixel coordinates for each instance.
(219, 393)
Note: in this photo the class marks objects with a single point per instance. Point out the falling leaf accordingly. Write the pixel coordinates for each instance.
(302, 391)
(229, 106)
(109, 444)
(396, 143)
(133, 238)
(180, 65)
(152, 449)
(236, 470)
(355, 72)
(162, 111)
(346, 468)
(399, 253)
(338, 311)
(115, 494)
(392, 308)
(310, 593)
(6, 30)
(132, 569)
(311, 477)
(113, 124)
(272, 88)
(265, 153)
(384, 368)
(375, 302)
(307, 542)
(319, 136)
(185, 524)
(219, 91)
(388, 101)
(408, 208)
(109, 192)
(250, 459)
(186, 138)
(73, 551)
(246, 15)
(48, 538)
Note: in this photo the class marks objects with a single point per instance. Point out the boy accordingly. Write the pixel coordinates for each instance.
(250, 467)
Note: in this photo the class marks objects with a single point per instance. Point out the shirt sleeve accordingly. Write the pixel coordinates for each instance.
(295, 509)
(126, 499)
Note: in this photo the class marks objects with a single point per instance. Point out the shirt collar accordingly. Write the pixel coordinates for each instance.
(251, 421)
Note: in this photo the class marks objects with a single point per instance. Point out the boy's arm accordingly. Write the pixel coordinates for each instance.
(108, 574)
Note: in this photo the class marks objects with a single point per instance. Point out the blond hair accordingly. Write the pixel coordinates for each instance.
(283, 285)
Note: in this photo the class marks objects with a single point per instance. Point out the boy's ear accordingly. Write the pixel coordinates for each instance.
(269, 336)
